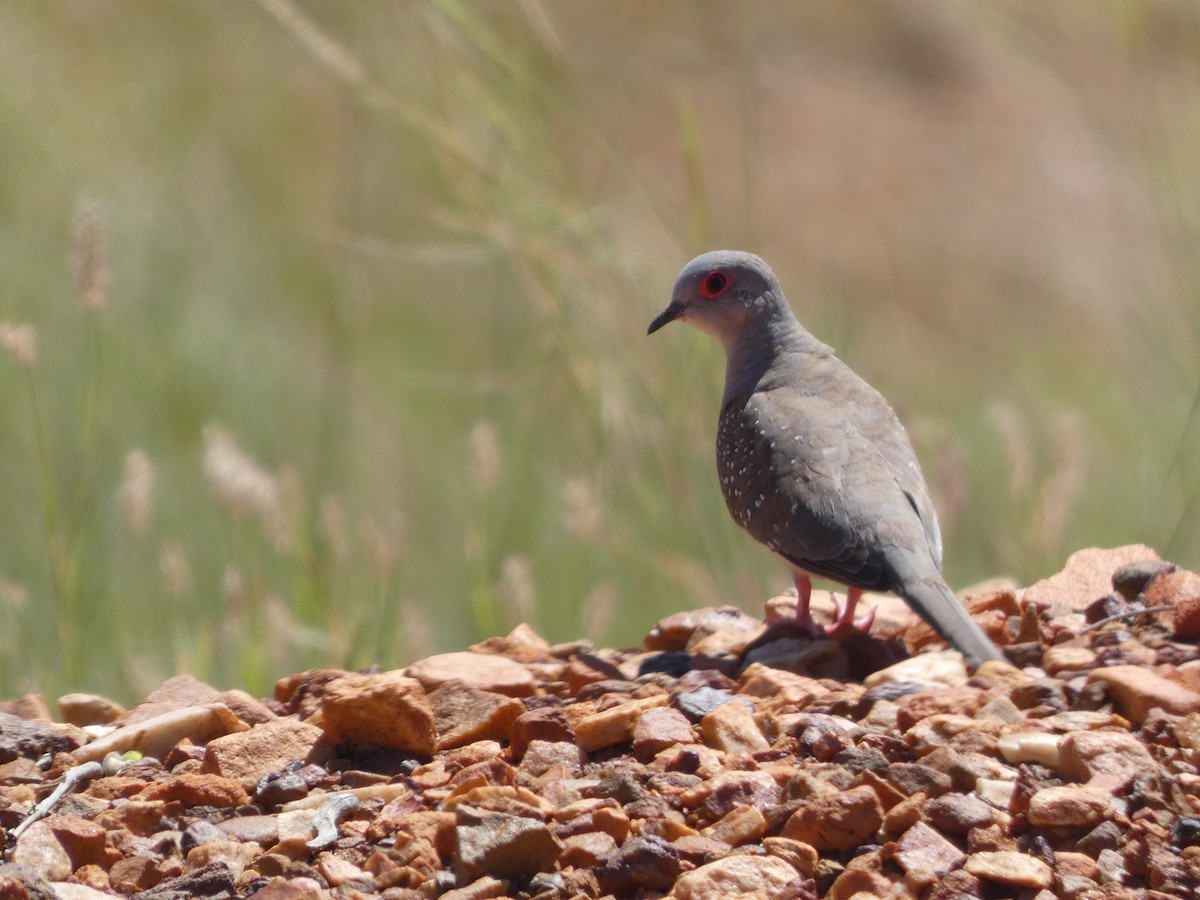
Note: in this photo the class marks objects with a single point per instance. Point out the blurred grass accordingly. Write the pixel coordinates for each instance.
(376, 277)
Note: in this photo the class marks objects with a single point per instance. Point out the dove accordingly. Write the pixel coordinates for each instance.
(812, 461)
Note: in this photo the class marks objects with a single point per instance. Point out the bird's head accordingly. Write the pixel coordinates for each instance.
(725, 293)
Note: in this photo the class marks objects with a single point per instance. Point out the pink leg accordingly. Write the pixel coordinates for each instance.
(845, 622)
(803, 598)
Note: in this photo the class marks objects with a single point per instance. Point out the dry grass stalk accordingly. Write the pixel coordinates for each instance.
(21, 343)
(486, 465)
(89, 260)
(242, 485)
(175, 568)
(581, 511)
(515, 588)
(137, 491)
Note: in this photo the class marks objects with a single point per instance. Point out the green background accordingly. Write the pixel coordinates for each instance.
(376, 278)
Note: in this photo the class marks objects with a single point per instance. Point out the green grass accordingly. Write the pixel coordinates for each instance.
(376, 278)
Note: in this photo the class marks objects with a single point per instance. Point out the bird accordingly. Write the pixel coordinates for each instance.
(812, 461)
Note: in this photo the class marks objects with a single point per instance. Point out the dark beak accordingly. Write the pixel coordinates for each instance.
(670, 314)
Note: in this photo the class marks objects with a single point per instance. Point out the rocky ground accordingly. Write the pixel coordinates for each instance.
(715, 759)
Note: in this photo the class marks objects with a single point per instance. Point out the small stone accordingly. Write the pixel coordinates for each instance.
(728, 791)
(133, 874)
(1010, 867)
(939, 669)
(542, 757)
(465, 714)
(731, 729)
(839, 821)
(301, 888)
(1068, 806)
(337, 871)
(1031, 746)
(1067, 862)
(963, 700)
(904, 815)
(486, 671)
(925, 856)
(699, 703)
(740, 877)
(21, 737)
(614, 725)
(83, 840)
(157, 735)
(198, 789)
(88, 709)
(658, 729)
(301, 694)
(1086, 576)
(384, 710)
(249, 756)
(1132, 578)
(645, 863)
(696, 849)
(958, 813)
(860, 880)
(956, 885)
(1109, 760)
(1138, 690)
(29, 706)
(39, 850)
(1111, 865)
(1105, 836)
(800, 856)
(674, 632)
(233, 854)
(66, 890)
(261, 830)
(1186, 831)
(911, 778)
(213, 880)
(587, 850)
(545, 724)
(997, 792)
(176, 693)
(779, 687)
(1068, 658)
(502, 845)
(593, 815)
(1041, 693)
(1171, 587)
(1186, 619)
(738, 826)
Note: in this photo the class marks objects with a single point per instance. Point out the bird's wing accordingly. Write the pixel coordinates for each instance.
(848, 483)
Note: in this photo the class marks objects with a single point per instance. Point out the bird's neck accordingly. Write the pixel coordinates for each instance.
(761, 345)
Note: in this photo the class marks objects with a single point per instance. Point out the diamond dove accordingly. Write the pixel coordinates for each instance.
(812, 460)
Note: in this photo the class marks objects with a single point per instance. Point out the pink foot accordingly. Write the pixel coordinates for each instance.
(844, 624)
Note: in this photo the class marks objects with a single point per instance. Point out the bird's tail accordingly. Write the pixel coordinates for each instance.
(938, 606)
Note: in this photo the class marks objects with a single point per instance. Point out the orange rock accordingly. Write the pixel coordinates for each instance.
(1138, 690)
(485, 671)
(838, 821)
(465, 714)
(198, 789)
(249, 755)
(731, 728)
(1086, 577)
(384, 710)
(133, 874)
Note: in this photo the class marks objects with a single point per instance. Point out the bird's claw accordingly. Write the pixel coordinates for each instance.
(846, 625)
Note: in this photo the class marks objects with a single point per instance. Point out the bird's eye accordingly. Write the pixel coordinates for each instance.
(714, 284)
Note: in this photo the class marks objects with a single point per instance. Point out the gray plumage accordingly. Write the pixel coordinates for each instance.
(812, 460)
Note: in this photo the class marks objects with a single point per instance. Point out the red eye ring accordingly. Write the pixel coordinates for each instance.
(714, 284)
